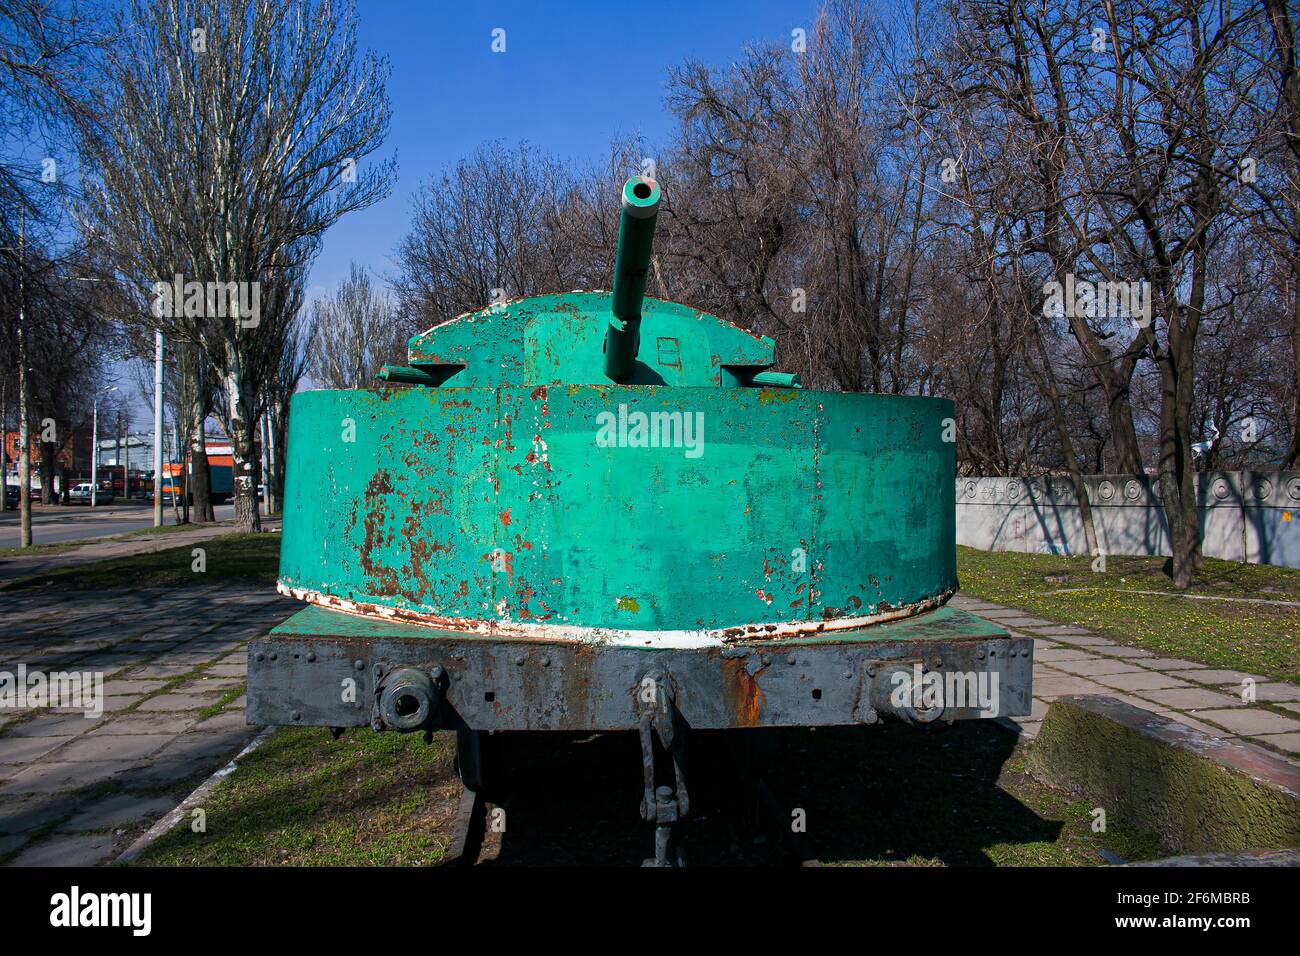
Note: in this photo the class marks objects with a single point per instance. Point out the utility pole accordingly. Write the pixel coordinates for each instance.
(266, 469)
(273, 500)
(157, 428)
(94, 454)
(24, 400)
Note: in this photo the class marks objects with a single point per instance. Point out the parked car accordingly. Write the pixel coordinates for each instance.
(80, 494)
(12, 492)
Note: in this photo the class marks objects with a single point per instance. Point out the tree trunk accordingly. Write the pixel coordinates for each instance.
(200, 475)
(1293, 448)
(241, 441)
(1128, 457)
(1177, 470)
(47, 473)
(1047, 385)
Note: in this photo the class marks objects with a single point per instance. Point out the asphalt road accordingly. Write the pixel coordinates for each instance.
(80, 522)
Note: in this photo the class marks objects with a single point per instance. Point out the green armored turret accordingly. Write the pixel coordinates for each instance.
(595, 511)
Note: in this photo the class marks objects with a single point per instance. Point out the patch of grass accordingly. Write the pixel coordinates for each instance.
(879, 796)
(233, 693)
(1262, 638)
(171, 529)
(55, 548)
(62, 546)
(234, 558)
(302, 799)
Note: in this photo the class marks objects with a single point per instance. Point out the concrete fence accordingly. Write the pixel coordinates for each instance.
(1249, 516)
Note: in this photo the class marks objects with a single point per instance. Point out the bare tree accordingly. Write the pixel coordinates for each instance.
(237, 130)
(355, 330)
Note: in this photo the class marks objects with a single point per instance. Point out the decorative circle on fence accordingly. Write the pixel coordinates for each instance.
(1013, 490)
(970, 489)
(1036, 489)
(1293, 488)
(1221, 488)
(1262, 488)
(1106, 490)
(1132, 489)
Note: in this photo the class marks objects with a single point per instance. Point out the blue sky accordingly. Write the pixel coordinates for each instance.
(574, 76)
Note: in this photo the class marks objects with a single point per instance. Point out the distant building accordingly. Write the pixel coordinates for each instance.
(73, 453)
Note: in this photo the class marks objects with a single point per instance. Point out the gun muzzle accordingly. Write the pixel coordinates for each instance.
(636, 232)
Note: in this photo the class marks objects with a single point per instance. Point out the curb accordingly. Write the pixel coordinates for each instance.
(177, 814)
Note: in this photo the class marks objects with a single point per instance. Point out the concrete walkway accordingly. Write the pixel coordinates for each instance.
(25, 566)
(1074, 660)
(75, 790)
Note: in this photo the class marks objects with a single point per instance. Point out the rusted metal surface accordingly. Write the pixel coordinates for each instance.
(503, 511)
(528, 684)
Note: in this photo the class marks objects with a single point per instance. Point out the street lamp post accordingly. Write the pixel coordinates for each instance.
(94, 448)
(157, 428)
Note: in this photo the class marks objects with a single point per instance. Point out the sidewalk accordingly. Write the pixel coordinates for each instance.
(76, 790)
(1074, 660)
(13, 569)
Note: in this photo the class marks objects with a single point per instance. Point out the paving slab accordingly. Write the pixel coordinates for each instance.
(10, 842)
(1209, 676)
(21, 815)
(1288, 742)
(226, 720)
(1277, 693)
(120, 809)
(166, 671)
(1169, 664)
(1096, 666)
(115, 688)
(138, 723)
(209, 685)
(1190, 698)
(1020, 620)
(1120, 650)
(241, 670)
(1251, 721)
(1086, 641)
(1055, 687)
(55, 725)
(67, 851)
(1054, 654)
(200, 747)
(54, 776)
(120, 747)
(170, 702)
(1188, 721)
(20, 751)
(1151, 680)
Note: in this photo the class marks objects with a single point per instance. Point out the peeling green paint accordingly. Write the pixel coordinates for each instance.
(529, 490)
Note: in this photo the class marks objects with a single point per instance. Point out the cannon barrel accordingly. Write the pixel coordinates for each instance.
(636, 232)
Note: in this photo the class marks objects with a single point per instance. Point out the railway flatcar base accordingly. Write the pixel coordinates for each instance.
(333, 669)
